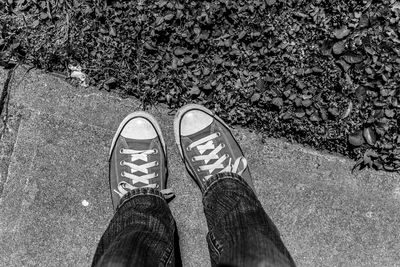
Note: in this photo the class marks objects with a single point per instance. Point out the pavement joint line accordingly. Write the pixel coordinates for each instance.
(5, 95)
(11, 153)
(6, 87)
(4, 99)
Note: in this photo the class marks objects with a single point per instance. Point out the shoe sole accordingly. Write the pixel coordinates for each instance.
(138, 114)
(178, 116)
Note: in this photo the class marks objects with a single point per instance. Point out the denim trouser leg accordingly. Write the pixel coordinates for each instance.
(142, 233)
(240, 232)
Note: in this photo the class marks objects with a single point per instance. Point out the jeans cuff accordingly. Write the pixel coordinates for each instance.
(143, 191)
(222, 176)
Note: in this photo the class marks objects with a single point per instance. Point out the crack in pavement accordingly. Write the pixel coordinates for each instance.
(5, 95)
(4, 98)
(8, 142)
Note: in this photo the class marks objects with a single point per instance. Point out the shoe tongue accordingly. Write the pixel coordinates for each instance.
(203, 133)
(137, 144)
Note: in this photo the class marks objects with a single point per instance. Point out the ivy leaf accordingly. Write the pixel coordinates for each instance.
(348, 110)
(356, 139)
(179, 51)
(389, 113)
(169, 17)
(338, 48)
(277, 102)
(112, 32)
(194, 91)
(353, 58)
(341, 33)
(207, 87)
(148, 46)
(333, 111)
(35, 23)
(159, 21)
(361, 93)
(369, 136)
(255, 97)
(43, 15)
(242, 34)
(344, 65)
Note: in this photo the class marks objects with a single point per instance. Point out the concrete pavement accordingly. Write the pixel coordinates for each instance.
(54, 161)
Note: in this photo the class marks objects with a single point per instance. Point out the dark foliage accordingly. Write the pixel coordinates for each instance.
(322, 73)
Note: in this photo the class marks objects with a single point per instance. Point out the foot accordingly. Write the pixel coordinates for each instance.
(137, 156)
(207, 145)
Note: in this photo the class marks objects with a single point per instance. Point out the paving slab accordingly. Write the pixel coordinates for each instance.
(55, 160)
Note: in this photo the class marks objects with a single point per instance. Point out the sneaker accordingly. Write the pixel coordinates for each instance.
(207, 145)
(137, 156)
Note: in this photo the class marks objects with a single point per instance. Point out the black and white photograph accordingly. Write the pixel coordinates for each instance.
(216, 133)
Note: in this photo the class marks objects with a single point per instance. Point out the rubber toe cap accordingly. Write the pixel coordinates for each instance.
(139, 129)
(194, 121)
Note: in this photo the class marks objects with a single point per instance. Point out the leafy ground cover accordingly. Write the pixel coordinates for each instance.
(322, 73)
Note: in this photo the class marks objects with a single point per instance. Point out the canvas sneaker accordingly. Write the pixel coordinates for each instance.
(207, 145)
(137, 156)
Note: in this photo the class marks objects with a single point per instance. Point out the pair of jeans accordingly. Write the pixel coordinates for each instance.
(143, 231)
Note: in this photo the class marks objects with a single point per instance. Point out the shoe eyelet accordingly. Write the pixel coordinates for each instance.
(121, 150)
(156, 163)
(156, 175)
(193, 159)
(226, 155)
(198, 170)
(188, 148)
(122, 163)
(122, 174)
(222, 145)
(218, 134)
(155, 151)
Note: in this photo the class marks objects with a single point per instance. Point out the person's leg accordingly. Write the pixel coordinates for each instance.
(240, 232)
(143, 231)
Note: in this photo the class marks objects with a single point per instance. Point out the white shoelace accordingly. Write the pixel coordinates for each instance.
(207, 143)
(124, 187)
